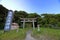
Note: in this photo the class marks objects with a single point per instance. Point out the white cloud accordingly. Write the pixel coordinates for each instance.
(14, 4)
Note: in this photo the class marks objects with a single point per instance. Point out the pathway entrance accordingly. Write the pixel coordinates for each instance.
(28, 20)
(28, 36)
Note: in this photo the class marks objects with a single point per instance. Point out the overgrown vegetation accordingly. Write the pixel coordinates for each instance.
(46, 34)
(13, 35)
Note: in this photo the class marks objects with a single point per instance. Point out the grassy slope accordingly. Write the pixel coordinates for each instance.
(47, 33)
(13, 35)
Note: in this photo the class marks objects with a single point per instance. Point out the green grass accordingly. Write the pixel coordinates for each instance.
(13, 35)
(52, 34)
(44, 33)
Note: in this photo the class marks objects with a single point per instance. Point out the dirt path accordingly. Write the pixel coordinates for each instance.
(28, 36)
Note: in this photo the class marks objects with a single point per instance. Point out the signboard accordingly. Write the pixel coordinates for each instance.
(8, 20)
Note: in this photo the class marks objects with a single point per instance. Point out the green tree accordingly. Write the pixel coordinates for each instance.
(18, 15)
(33, 15)
(3, 14)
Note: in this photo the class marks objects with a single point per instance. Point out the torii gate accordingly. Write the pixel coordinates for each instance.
(24, 20)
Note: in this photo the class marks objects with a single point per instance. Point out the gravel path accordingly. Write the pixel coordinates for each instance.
(28, 36)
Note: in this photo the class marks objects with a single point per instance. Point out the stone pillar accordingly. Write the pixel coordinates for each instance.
(33, 25)
(38, 27)
(8, 21)
(23, 23)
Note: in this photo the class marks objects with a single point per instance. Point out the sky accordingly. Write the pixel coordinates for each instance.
(33, 6)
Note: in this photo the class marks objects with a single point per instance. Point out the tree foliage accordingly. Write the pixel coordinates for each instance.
(3, 14)
(45, 20)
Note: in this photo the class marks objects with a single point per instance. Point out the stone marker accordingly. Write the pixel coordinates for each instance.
(8, 21)
(38, 27)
